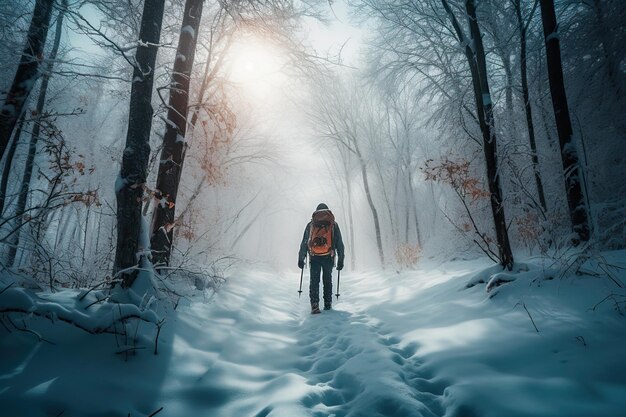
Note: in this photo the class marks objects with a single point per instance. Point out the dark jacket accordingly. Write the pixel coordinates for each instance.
(337, 243)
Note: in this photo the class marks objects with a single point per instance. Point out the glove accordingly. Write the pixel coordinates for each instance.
(300, 263)
(340, 265)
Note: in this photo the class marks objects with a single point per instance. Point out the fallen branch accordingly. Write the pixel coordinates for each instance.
(94, 330)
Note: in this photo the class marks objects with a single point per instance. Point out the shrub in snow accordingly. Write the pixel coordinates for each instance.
(407, 255)
(95, 312)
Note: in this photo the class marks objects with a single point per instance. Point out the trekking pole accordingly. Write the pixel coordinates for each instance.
(338, 275)
(300, 290)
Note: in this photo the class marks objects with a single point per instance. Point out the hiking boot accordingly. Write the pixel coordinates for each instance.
(328, 306)
(315, 308)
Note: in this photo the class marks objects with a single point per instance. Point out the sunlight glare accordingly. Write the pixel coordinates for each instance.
(255, 65)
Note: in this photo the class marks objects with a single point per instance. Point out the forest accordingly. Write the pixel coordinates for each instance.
(160, 159)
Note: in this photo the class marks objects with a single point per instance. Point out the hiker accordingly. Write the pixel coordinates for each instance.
(322, 241)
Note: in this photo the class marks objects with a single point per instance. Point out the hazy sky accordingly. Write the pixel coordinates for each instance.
(300, 179)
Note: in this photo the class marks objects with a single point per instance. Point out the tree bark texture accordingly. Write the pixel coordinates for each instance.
(34, 139)
(27, 71)
(478, 69)
(527, 106)
(485, 110)
(569, 155)
(174, 144)
(130, 186)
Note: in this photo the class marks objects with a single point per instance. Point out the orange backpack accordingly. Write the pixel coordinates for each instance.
(321, 233)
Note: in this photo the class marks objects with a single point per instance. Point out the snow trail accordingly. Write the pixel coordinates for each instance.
(265, 355)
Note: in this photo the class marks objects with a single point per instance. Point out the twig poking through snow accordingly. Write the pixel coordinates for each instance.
(156, 412)
(581, 340)
(529, 316)
(7, 287)
(616, 303)
(156, 339)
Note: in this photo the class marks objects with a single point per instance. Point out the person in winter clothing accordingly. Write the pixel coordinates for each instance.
(317, 232)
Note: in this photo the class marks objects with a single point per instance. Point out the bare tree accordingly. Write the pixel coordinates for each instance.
(475, 54)
(341, 116)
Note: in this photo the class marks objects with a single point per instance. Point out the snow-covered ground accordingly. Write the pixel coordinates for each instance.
(417, 343)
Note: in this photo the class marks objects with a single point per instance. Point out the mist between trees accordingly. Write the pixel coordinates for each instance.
(462, 128)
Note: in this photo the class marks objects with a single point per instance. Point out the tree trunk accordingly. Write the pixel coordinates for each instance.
(485, 110)
(418, 236)
(174, 145)
(351, 224)
(478, 68)
(85, 235)
(527, 106)
(34, 139)
(27, 71)
(8, 161)
(134, 170)
(346, 162)
(407, 207)
(388, 204)
(366, 186)
(569, 155)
